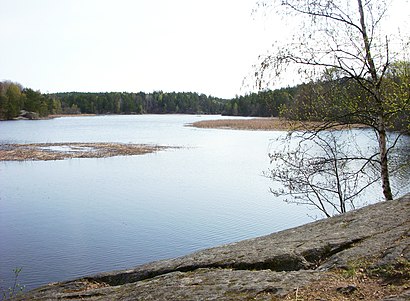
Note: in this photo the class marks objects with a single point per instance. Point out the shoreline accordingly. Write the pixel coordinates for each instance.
(67, 115)
(71, 150)
(248, 124)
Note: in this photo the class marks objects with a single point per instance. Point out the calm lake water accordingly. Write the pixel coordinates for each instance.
(64, 219)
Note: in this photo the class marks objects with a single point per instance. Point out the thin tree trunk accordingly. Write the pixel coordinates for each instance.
(381, 128)
(384, 168)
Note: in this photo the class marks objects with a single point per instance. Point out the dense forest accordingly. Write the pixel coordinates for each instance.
(19, 102)
(16, 101)
(267, 103)
(262, 104)
(157, 102)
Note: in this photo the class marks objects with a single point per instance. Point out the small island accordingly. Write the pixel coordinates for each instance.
(61, 151)
(270, 124)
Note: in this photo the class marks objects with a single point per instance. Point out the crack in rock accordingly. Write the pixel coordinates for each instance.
(308, 260)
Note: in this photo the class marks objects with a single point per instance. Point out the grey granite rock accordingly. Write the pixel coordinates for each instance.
(259, 268)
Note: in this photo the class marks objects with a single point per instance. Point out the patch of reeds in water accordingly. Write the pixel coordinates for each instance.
(267, 124)
(61, 151)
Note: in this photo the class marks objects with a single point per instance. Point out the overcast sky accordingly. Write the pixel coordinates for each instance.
(205, 46)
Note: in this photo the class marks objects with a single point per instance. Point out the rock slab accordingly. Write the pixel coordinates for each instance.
(263, 268)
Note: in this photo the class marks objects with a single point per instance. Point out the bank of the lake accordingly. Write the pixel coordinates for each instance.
(360, 255)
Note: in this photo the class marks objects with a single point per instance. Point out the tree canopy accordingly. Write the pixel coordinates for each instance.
(14, 99)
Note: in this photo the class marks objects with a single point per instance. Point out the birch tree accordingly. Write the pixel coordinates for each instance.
(345, 36)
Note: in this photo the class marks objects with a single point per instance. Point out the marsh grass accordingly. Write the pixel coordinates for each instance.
(264, 124)
(61, 151)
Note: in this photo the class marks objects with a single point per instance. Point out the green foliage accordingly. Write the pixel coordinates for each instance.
(336, 98)
(157, 102)
(399, 271)
(354, 269)
(15, 290)
(11, 100)
(14, 99)
(396, 92)
(262, 104)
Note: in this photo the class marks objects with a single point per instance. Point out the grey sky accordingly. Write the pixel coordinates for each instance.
(206, 46)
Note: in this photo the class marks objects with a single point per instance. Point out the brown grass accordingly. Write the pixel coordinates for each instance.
(61, 151)
(263, 124)
(335, 286)
(52, 116)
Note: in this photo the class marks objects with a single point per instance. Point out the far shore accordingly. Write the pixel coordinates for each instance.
(269, 124)
(68, 115)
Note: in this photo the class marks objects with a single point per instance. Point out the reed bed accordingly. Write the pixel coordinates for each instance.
(254, 124)
(61, 151)
(267, 124)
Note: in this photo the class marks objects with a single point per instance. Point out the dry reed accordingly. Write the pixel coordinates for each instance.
(61, 151)
(265, 124)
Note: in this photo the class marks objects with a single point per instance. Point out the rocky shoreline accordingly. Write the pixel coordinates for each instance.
(361, 255)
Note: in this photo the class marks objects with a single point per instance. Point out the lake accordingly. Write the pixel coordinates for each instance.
(64, 219)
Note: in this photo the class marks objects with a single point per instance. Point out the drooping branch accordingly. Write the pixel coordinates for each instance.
(327, 12)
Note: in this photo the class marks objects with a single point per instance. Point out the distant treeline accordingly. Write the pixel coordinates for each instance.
(266, 103)
(330, 98)
(138, 103)
(16, 101)
(261, 104)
